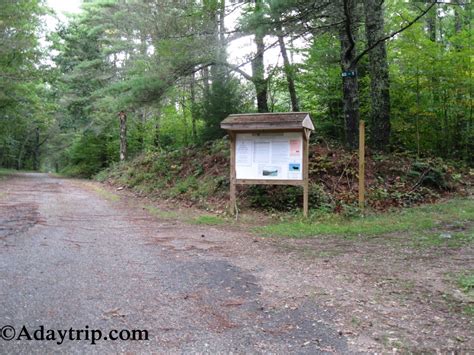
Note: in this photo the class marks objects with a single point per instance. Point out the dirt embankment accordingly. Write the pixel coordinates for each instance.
(199, 176)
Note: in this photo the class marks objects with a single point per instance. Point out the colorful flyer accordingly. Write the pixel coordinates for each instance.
(294, 167)
(295, 147)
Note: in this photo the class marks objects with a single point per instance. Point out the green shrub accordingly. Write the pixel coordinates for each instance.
(428, 174)
(286, 198)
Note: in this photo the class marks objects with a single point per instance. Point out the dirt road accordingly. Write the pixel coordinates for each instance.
(72, 259)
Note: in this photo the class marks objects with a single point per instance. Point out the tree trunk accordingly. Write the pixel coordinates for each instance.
(36, 148)
(379, 75)
(19, 162)
(289, 73)
(431, 23)
(141, 129)
(458, 23)
(156, 133)
(205, 82)
(123, 135)
(221, 18)
(193, 109)
(258, 74)
(259, 81)
(350, 90)
(258, 68)
(417, 116)
(218, 72)
(185, 119)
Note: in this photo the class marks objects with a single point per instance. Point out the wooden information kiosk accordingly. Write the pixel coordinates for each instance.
(269, 149)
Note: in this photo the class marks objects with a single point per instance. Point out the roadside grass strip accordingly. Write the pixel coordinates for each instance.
(453, 212)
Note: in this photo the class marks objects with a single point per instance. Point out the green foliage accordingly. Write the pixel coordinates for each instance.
(180, 174)
(87, 155)
(429, 175)
(25, 100)
(114, 57)
(432, 87)
(401, 195)
(200, 175)
(319, 86)
(163, 64)
(286, 198)
(183, 186)
(225, 97)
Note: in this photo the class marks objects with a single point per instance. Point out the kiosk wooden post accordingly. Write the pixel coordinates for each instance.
(280, 133)
(233, 198)
(306, 135)
(361, 164)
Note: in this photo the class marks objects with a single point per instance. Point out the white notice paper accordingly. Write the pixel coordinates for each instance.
(262, 152)
(280, 152)
(265, 156)
(243, 151)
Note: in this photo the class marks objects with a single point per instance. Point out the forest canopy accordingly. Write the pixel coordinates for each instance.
(122, 78)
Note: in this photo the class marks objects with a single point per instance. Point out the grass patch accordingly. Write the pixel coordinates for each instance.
(469, 310)
(208, 220)
(58, 175)
(106, 194)
(466, 283)
(408, 220)
(160, 213)
(451, 240)
(6, 172)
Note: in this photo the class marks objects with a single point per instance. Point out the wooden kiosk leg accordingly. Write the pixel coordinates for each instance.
(306, 135)
(305, 199)
(233, 199)
(361, 164)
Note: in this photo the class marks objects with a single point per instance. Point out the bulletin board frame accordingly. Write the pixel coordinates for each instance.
(305, 131)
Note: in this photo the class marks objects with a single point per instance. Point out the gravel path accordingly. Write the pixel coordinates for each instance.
(70, 258)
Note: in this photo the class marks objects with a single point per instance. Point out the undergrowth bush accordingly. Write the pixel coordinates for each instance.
(285, 198)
